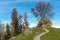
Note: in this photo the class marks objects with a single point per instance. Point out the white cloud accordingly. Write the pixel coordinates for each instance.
(17, 1)
(56, 26)
(8, 2)
(32, 25)
(5, 22)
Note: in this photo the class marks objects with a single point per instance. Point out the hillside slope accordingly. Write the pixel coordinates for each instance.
(54, 34)
(35, 32)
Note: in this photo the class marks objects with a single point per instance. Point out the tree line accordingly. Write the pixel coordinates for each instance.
(42, 11)
(18, 22)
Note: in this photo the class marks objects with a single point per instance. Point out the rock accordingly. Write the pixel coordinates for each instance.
(27, 32)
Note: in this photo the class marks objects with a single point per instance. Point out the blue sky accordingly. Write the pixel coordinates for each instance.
(23, 6)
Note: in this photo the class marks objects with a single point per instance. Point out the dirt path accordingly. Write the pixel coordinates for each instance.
(39, 36)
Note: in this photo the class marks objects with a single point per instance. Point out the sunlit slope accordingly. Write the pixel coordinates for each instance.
(54, 34)
(35, 32)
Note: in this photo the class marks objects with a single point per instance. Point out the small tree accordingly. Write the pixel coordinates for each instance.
(1, 31)
(20, 23)
(43, 11)
(25, 20)
(8, 34)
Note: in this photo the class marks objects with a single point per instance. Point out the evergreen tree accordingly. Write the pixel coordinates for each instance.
(15, 23)
(8, 34)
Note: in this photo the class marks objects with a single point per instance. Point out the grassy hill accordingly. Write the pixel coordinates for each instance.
(35, 32)
(54, 34)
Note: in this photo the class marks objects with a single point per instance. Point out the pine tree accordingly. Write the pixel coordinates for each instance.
(8, 34)
(15, 23)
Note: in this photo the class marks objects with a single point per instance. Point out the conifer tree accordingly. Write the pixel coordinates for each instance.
(15, 23)
(8, 33)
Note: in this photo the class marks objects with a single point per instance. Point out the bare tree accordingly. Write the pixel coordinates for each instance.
(1, 31)
(43, 11)
(26, 20)
(20, 23)
(20, 20)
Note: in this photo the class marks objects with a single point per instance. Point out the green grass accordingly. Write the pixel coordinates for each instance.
(35, 32)
(54, 34)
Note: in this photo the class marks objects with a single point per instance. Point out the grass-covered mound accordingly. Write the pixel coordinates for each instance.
(54, 34)
(35, 32)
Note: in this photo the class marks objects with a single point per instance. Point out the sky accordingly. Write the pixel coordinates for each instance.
(22, 6)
